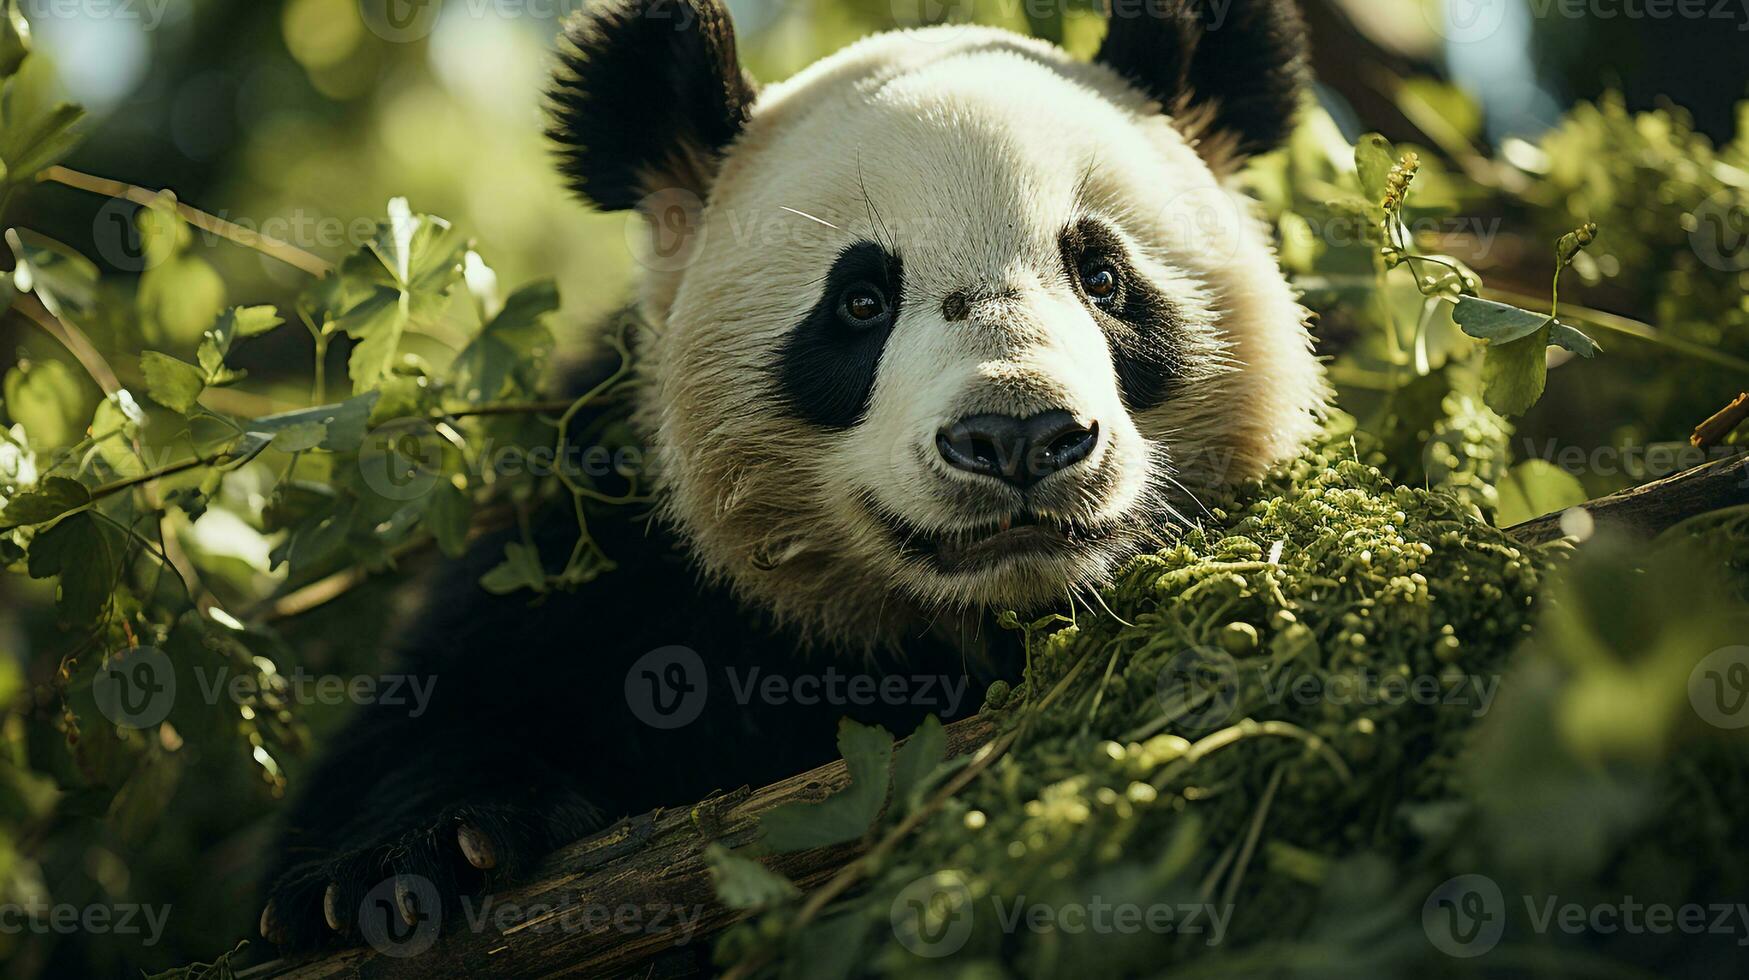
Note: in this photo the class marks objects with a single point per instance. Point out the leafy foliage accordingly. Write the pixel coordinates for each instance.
(1233, 728)
(153, 497)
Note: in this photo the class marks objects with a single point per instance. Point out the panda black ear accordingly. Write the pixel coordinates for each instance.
(1242, 62)
(647, 95)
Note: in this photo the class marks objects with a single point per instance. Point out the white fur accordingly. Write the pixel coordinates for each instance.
(968, 151)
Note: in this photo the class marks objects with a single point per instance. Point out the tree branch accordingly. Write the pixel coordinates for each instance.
(655, 862)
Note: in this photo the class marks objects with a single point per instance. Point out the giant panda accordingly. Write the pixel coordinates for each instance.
(949, 323)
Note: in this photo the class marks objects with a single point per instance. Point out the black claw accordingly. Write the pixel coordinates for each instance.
(476, 847)
(271, 930)
(331, 907)
(406, 900)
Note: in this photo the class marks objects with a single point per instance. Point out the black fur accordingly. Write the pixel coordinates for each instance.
(1141, 326)
(649, 92)
(1244, 60)
(826, 369)
(531, 736)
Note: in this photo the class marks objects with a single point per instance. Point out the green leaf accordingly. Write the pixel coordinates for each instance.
(253, 321)
(316, 536)
(56, 496)
(174, 384)
(179, 299)
(377, 323)
(918, 757)
(1374, 156)
(248, 446)
(50, 401)
(521, 569)
(868, 753)
(32, 145)
(515, 340)
(115, 424)
(14, 39)
(86, 554)
(1536, 487)
(832, 949)
(212, 364)
(743, 883)
(1497, 323)
(448, 510)
(420, 251)
(1513, 375)
(1561, 335)
(302, 437)
(64, 280)
(344, 422)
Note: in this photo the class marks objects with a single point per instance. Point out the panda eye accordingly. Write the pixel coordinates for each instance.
(1100, 281)
(862, 306)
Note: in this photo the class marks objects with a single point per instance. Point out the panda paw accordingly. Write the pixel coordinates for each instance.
(411, 881)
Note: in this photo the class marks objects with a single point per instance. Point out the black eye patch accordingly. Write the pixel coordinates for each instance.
(826, 367)
(1141, 326)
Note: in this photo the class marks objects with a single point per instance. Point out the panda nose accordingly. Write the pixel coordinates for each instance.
(1019, 452)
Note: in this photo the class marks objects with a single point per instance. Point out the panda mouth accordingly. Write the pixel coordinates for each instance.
(977, 547)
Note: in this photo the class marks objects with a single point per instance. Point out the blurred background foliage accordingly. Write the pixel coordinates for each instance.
(295, 118)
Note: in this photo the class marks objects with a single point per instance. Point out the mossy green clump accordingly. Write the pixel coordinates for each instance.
(1260, 753)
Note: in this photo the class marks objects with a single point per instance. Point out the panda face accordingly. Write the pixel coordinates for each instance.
(958, 323)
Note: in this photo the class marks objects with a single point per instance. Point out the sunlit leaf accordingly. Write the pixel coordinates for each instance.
(50, 401)
(1536, 487)
(1373, 159)
(31, 145)
(1497, 323)
(515, 340)
(179, 299)
(115, 424)
(64, 280)
(56, 496)
(172, 383)
(345, 422)
(1561, 335)
(1514, 374)
(14, 39)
